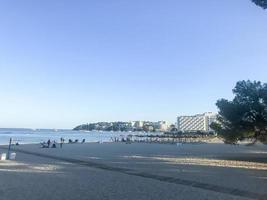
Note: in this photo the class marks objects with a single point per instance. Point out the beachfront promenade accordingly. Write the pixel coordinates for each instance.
(136, 171)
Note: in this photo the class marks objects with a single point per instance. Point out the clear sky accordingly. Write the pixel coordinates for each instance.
(67, 62)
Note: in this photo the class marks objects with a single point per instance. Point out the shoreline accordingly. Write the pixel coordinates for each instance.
(155, 141)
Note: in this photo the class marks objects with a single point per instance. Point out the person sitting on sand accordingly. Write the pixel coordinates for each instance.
(54, 145)
(44, 145)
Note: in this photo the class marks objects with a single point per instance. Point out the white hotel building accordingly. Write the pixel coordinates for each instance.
(199, 122)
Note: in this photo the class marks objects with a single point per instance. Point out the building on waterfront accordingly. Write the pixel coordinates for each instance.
(138, 124)
(161, 126)
(199, 122)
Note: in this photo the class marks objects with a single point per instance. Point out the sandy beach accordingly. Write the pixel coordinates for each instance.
(135, 171)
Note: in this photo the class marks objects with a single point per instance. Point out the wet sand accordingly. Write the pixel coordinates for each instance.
(136, 171)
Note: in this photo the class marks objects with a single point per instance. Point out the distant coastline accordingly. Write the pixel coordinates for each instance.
(33, 129)
(132, 126)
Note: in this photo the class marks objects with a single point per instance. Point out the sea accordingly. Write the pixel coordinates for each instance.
(31, 136)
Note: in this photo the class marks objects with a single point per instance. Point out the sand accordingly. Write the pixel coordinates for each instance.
(136, 171)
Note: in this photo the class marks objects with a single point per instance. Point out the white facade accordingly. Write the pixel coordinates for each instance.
(138, 124)
(164, 125)
(161, 125)
(199, 122)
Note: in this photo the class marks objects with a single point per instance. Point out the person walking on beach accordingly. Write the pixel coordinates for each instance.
(48, 143)
(61, 142)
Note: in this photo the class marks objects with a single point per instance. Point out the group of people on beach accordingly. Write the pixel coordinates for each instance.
(128, 139)
(50, 144)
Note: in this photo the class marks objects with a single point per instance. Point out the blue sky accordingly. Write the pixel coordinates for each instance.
(66, 62)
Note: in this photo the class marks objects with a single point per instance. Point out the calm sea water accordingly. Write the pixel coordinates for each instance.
(36, 136)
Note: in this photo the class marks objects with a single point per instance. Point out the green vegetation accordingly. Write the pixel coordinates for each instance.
(261, 3)
(245, 116)
(105, 126)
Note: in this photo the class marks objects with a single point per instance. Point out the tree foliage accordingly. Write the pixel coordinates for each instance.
(246, 115)
(261, 3)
